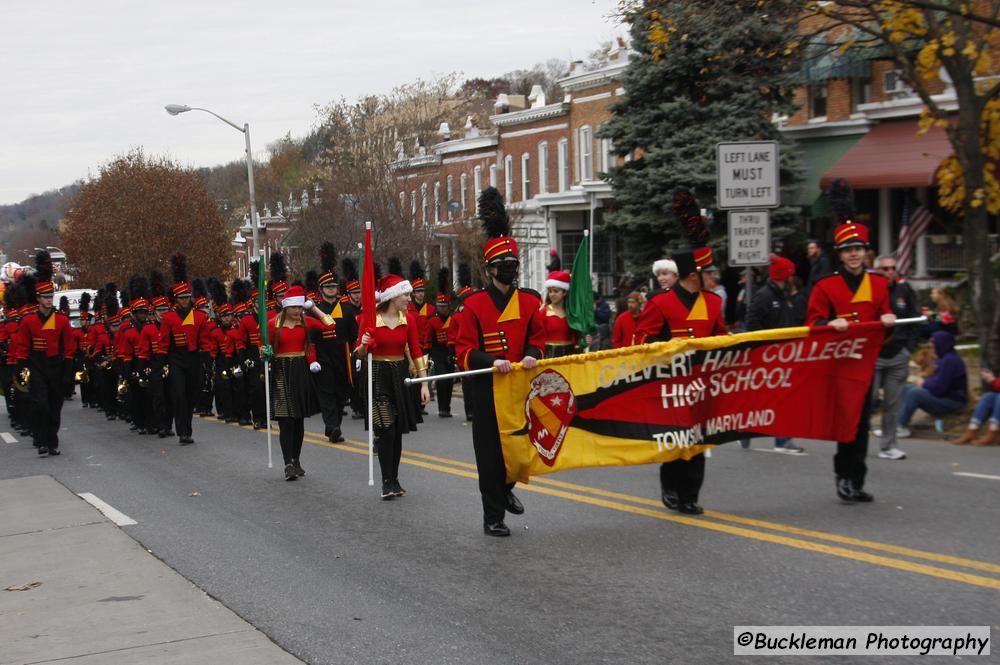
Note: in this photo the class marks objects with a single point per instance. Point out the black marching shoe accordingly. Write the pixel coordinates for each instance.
(397, 489)
(258, 425)
(514, 505)
(690, 508)
(54, 452)
(845, 490)
(496, 529)
(299, 471)
(444, 414)
(860, 496)
(388, 491)
(186, 440)
(43, 451)
(163, 434)
(336, 436)
(244, 423)
(670, 499)
(290, 472)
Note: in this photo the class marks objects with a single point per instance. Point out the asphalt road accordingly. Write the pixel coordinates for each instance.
(597, 571)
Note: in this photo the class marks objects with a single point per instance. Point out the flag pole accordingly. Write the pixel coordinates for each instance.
(262, 326)
(452, 375)
(367, 294)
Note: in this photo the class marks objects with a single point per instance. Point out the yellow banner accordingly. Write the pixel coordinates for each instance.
(609, 408)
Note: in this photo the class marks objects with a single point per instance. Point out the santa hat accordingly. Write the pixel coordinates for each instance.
(391, 286)
(781, 269)
(664, 265)
(558, 279)
(295, 296)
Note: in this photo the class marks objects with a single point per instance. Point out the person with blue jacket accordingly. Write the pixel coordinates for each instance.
(944, 392)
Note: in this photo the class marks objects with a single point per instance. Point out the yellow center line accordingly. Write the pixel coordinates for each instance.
(467, 470)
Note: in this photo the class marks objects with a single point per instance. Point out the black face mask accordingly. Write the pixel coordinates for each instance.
(507, 272)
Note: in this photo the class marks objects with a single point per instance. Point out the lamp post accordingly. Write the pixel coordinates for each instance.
(177, 109)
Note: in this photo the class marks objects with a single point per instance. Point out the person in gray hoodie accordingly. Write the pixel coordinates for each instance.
(944, 392)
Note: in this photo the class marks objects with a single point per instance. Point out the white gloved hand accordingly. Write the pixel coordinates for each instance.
(309, 304)
(314, 367)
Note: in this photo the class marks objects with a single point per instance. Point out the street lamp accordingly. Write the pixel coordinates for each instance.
(177, 109)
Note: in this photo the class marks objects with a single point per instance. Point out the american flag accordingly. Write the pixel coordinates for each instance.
(915, 224)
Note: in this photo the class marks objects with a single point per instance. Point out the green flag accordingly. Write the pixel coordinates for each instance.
(580, 299)
(262, 310)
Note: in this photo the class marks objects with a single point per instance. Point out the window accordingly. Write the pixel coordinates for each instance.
(585, 149)
(423, 203)
(817, 100)
(450, 197)
(508, 178)
(525, 177)
(604, 162)
(477, 183)
(464, 184)
(543, 167)
(563, 165)
(413, 207)
(493, 175)
(861, 92)
(402, 203)
(437, 203)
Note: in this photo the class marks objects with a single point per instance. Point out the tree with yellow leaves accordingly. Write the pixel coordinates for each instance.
(958, 40)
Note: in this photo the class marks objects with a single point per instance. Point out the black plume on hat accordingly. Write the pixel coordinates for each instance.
(350, 269)
(493, 214)
(43, 266)
(395, 266)
(217, 290)
(64, 305)
(138, 287)
(688, 213)
(464, 275)
(279, 269)
(178, 266)
(198, 288)
(238, 292)
(312, 282)
(111, 298)
(157, 287)
(444, 281)
(84, 302)
(328, 258)
(416, 270)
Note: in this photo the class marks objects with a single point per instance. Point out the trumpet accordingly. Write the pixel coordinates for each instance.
(122, 387)
(82, 376)
(22, 380)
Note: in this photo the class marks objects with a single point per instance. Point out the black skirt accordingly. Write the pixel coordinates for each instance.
(559, 350)
(393, 403)
(292, 392)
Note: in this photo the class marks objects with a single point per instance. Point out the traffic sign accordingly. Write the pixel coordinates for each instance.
(748, 175)
(749, 237)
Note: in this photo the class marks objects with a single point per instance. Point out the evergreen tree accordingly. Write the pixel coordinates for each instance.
(702, 72)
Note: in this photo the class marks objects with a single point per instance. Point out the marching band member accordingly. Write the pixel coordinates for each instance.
(390, 338)
(293, 396)
(500, 325)
(441, 343)
(684, 310)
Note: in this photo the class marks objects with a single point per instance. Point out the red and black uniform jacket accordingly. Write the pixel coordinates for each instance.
(856, 298)
(439, 339)
(497, 326)
(47, 342)
(677, 312)
(182, 335)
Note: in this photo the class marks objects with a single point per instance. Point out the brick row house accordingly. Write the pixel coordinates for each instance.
(544, 157)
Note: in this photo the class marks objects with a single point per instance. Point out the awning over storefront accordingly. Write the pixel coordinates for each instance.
(818, 155)
(892, 155)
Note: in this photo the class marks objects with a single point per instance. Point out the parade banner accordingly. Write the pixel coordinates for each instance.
(671, 400)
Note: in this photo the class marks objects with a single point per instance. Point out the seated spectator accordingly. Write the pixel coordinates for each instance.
(944, 392)
(944, 316)
(987, 410)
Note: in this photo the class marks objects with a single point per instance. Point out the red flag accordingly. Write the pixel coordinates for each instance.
(368, 282)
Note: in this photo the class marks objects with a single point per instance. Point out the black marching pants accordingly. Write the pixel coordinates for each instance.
(185, 388)
(493, 485)
(329, 397)
(158, 418)
(467, 397)
(683, 477)
(849, 460)
(291, 431)
(47, 396)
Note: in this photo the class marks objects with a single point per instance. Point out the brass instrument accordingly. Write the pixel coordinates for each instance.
(122, 387)
(102, 361)
(224, 374)
(82, 376)
(142, 378)
(236, 371)
(249, 364)
(166, 372)
(22, 380)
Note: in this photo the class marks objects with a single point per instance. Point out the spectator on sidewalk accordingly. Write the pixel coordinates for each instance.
(602, 319)
(771, 307)
(626, 321)
(944, 315)
(820, 262)
(893, 365)
(713, 283)
(944, 392)
(800, 299)
(987, 410)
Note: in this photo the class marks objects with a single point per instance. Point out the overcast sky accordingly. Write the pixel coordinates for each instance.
(84, 81)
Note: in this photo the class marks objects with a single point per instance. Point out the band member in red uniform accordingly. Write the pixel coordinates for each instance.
(48, 338)
(851, 295)
(500, 325)
(464, 290)
(560, 339)
(161, 410)
(684, 310)
(141, 336)
(13, 298)
(391, 338)
(222, 349)
(441, 343)
(621, 335)
(293, 396)
(181, 333)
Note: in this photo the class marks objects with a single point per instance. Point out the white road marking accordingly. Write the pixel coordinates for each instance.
(975, 475)
(113, 514)
(7, 437)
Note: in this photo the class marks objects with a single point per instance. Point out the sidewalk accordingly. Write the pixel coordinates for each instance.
(103, 599)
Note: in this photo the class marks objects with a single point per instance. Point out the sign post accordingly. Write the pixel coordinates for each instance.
(748, 184)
